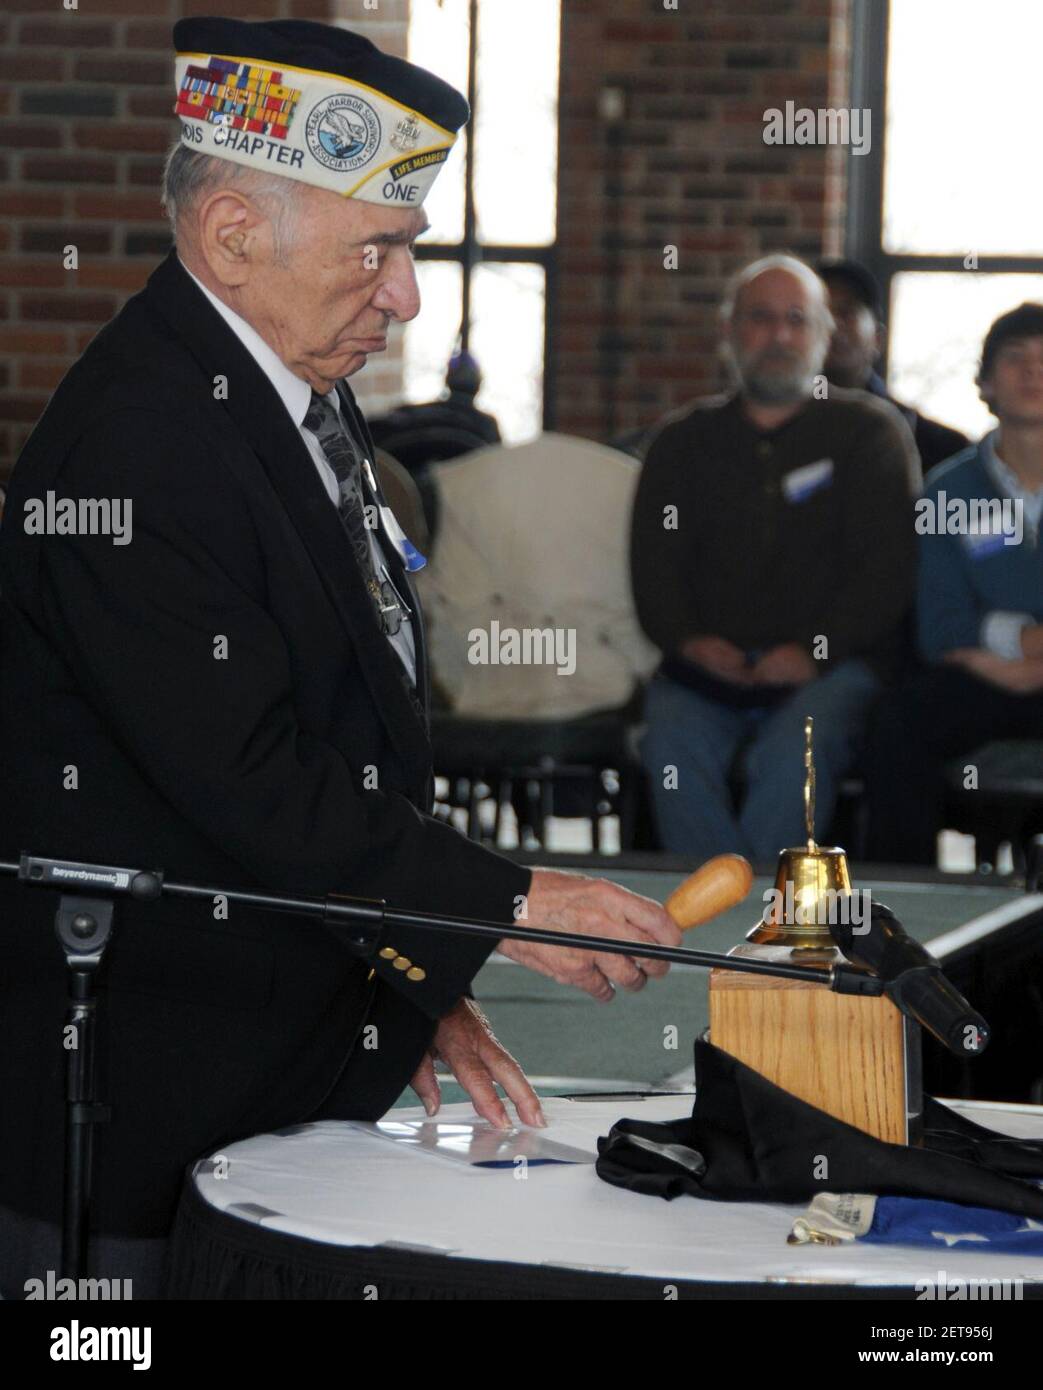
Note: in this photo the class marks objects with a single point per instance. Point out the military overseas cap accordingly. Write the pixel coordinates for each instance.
(315, 103)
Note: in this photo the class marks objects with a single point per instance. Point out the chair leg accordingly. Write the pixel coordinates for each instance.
(627, 807)
(986, 851)
(546, 785)
(1034, 864)
(532, 808)
(503, 792)
(474, 819)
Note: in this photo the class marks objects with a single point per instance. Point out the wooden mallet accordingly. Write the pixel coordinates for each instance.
(718, 885)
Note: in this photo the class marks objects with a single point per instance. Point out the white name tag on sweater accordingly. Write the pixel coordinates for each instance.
(809, 478)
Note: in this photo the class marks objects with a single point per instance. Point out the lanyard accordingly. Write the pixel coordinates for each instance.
(411, 557)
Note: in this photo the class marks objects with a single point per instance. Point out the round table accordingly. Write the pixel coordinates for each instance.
(338, 1210)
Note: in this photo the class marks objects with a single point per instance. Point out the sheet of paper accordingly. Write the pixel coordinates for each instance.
(477, 1142)
(571, 1134)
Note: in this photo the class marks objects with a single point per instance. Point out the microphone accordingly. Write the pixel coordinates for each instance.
(913, 980)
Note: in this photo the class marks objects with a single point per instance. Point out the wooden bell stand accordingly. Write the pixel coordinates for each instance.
(854, 1056)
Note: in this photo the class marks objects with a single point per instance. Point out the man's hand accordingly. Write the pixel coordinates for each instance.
(591, 907)
(1032, 641)
(788, 664)
(464, 1041)
(1023, 677)
(718, 656)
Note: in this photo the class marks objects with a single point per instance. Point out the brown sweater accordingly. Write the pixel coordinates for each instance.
(763, 554)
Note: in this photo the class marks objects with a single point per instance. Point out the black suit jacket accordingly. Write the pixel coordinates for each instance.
(213, 699)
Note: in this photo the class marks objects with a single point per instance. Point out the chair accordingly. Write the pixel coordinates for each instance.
(533, 540)
(417, 436)
(575, 768)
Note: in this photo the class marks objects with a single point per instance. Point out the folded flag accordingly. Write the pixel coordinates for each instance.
(834, 1218)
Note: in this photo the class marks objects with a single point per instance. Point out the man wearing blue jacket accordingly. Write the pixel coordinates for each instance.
(979, 604)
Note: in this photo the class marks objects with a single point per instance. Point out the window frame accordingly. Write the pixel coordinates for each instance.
(469, 252)
(864, 222)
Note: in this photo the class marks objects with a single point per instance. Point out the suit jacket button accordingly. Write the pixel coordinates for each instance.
(401, 963)
(416, 974)
(388, 953)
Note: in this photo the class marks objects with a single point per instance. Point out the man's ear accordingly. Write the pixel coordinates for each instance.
(235, 237)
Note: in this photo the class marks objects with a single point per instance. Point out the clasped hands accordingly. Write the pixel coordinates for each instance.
(786, 664)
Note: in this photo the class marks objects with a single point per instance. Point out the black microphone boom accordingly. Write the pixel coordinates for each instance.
(913, 980)
(885, 961)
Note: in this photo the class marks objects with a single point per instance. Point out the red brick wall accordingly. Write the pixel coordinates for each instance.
(86, 112)
(691, 169)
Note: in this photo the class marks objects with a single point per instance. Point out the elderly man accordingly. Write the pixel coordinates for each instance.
(772, 557)
(234, 688)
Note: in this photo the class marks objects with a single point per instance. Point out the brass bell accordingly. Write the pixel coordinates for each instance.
(810, 882)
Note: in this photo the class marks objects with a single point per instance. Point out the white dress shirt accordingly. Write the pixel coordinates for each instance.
(295, 394)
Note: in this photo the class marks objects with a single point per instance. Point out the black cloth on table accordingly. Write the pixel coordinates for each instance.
(748, 1140)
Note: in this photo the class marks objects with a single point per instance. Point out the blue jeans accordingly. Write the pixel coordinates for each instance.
(701, 738)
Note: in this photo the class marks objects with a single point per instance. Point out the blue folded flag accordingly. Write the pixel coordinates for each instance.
(834, 1218)
(914, 1221)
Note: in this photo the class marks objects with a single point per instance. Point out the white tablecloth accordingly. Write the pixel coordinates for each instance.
(345, 1185)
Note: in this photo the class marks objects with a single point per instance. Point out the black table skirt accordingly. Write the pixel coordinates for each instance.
(216, 1256)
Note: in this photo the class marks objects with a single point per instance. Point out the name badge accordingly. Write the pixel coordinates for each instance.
(980, 544)
(809, 478)
(411, 557)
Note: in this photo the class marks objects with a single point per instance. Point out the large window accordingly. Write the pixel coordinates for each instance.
(486, 266)
(948, 208)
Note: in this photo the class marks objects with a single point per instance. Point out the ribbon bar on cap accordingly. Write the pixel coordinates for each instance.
(312, 126)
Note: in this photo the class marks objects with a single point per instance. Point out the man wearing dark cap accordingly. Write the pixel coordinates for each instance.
(233, 688)
(855, 348)
(979, 605)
